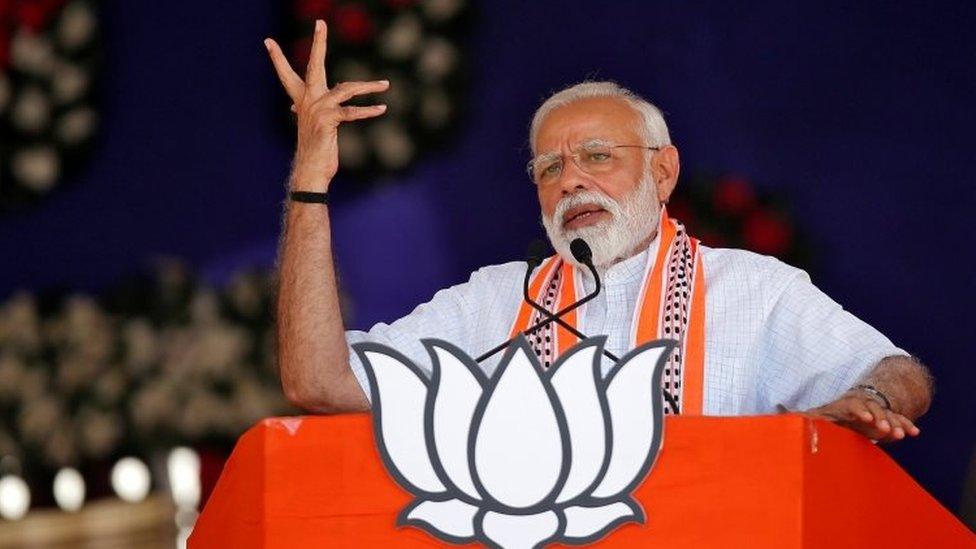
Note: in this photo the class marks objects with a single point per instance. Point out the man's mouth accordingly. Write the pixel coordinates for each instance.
(583, 216)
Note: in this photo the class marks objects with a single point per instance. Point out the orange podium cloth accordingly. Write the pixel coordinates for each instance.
(770, 481)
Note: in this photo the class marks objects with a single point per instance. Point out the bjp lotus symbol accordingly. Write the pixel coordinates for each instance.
(527, 457)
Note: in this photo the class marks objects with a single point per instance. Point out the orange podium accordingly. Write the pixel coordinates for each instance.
(770, 481)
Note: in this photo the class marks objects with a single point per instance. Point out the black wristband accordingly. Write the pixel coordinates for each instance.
(309, 197)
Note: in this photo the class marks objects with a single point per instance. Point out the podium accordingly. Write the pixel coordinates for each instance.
(770, 481)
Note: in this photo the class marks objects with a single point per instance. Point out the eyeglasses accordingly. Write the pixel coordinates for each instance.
(592, 158)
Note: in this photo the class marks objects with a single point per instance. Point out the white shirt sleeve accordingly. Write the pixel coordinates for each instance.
(812, 350)
(459, 315)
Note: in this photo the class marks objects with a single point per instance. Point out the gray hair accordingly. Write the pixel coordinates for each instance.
(653, 130)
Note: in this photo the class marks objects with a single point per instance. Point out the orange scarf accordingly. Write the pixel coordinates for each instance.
(671, 306)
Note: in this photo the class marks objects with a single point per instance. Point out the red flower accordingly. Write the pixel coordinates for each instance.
(35, 15)
(679, 209)
(301, 49)
(733, 196)
(767, 233)
(4, 49)
(354, 24)
(314, 9)
(711, 239)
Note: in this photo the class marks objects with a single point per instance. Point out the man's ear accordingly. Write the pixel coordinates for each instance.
(665, 166)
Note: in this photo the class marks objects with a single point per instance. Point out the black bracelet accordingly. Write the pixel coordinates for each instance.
(873, 391)
(309, 197)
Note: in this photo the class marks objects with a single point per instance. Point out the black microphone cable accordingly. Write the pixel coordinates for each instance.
(583, 254)
(535, 257)
(585, 257)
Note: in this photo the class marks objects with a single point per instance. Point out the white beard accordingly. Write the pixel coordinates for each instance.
(632, 221)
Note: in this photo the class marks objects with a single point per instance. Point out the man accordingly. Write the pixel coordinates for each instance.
(755, 335)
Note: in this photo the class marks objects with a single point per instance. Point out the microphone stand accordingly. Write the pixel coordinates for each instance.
(554, 318)
(538, 325)
(557, 317)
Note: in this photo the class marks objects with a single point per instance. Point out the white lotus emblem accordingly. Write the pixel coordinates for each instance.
(527, 457)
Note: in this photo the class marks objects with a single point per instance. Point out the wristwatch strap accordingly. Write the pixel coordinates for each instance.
(873, 391)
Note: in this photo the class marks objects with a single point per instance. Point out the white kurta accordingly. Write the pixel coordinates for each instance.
(771, 337)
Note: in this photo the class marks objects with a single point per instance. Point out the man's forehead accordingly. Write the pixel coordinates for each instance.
(609, 119)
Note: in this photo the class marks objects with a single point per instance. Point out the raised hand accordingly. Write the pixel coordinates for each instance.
(320, 111)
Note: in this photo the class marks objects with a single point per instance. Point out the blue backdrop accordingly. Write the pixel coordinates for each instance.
(860, 115)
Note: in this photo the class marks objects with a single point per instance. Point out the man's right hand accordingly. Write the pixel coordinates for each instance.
(320, 111)
(313, 356)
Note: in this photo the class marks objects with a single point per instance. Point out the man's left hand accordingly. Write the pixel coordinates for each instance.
(861, 412)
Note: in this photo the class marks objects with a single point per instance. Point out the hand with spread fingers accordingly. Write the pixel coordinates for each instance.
(867, 414)
(320, 110)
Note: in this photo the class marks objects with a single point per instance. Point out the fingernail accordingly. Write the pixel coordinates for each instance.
(318, 25)
(384, 81)
(885, 425)
(267, 43)
(382, 107)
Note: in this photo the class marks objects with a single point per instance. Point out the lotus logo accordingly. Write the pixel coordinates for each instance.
(527, 457)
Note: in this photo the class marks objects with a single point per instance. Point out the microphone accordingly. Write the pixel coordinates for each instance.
(536, 254)
(582, 253)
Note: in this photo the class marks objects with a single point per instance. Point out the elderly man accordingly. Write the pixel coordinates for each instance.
(755, 336)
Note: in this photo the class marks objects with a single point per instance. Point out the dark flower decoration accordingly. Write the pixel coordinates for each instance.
(161, 361)
(418, 46)
(728, 211)
(49, 56)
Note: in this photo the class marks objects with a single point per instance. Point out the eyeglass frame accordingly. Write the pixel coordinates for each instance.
(576, 156)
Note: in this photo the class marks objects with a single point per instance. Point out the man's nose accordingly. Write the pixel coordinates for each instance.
(573, 179)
